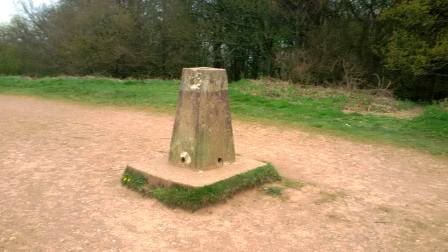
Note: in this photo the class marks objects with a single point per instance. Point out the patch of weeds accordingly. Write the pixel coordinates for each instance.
(326, 197)
(290, 183)
(196, 198)
(274, 191)
(134, 180)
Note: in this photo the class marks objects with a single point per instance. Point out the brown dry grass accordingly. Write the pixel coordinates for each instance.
(375, 101)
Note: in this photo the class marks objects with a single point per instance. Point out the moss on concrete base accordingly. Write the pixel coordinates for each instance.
(196, 198)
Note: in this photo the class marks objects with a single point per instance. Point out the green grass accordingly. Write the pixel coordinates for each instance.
(274, 191)
(134, 180)
(357, 100)
(294, 184)
(310, 108)
(156, 94)
(196, 198)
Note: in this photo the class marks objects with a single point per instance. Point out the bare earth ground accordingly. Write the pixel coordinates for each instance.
(60, 167)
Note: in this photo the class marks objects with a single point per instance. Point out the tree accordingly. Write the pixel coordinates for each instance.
(417, 51)
(353, 43)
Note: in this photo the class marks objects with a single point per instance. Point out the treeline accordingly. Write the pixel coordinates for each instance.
(396, 44)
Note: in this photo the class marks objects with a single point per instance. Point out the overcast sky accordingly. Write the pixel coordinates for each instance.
(10, 7)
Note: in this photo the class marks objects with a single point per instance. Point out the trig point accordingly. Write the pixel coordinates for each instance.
(202, 135)
(202, 151)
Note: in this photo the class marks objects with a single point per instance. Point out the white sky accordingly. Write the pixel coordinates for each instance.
(8, 8)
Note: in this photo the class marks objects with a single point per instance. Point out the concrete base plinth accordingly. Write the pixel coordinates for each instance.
(160, 172)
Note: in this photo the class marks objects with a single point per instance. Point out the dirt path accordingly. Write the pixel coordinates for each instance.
(60, 166)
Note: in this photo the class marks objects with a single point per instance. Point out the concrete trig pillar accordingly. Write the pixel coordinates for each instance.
(202, 135)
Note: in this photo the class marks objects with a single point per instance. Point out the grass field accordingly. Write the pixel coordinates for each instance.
(323, 109)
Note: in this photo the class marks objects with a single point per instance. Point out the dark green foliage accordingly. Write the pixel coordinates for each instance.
(196, 198)
(427, 131)
(356, 44)
(417, 50)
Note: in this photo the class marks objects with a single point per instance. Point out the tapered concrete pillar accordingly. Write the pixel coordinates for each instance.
(202, 135)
